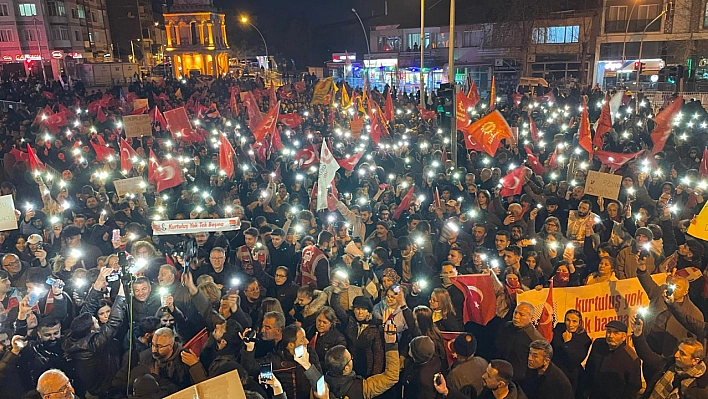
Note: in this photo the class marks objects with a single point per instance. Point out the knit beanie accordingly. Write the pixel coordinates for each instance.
(422, 349)
(645, 231)
(363, 302)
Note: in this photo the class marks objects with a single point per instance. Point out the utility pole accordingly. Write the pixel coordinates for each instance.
(453, 85)
(422, 52)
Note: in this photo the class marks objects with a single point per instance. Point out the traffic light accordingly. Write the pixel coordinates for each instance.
(447, 94)
(676, 73)
(639, 66)
(663, 74)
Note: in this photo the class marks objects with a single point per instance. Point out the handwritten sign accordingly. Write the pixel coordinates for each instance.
(603, 185)
(137, 125)
(357, 126)
(699, 226)
(169, 227)
(133, 185)
(8, 221)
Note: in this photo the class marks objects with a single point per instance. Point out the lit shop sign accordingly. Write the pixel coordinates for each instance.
(28, 57)
(653, 64)
(75, 55)
(7, 58)
(381, 63)
(342, 57)
(57, 54)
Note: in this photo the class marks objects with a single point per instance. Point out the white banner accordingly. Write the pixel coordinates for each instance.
(8, 220)
(132, 185)
(169, 227)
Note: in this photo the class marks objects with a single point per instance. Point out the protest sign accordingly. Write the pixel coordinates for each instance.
(137, 125)
(357, 126)
(224, 386)
(133, 185)
(8, 220)
(699, 226)
(599, 303)
(140, 103)
(169, 227)
(603, 185)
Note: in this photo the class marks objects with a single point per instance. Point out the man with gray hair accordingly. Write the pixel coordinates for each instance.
(514, 339)
(55, 384)
(544, 380)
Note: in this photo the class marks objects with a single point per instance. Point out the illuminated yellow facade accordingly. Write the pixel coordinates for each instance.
(196, 39)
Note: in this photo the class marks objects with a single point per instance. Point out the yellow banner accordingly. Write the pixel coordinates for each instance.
(599, 303)
(699, 225)
(323, 91)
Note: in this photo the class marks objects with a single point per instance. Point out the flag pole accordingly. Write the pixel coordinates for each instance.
(451, 80)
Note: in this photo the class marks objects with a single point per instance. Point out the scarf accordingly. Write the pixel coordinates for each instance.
(513, 289)
(665, 387)
(561, 279)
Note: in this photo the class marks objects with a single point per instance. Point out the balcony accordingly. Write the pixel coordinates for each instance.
(635, 25)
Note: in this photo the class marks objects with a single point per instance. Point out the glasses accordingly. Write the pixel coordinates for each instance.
(63, 391)
(12, 263)
(153, 345)
(281, 275)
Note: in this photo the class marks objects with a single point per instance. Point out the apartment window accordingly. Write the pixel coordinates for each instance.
(56, 8)
(27, 9)
(647, 12)
(414, 38)
(472, 38)
(93, 16)
(64, 33)
(80, 11)
(4, 10)
(74, 14)
(556, 34)
(705, 17)
(6, 35)
(30, 35)
(617, 13)
(77, 36)
(91, 37)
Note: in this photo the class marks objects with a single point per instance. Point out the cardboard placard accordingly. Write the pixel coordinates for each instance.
(8, 220)
(137, 125)
(357, 125)
(133, 185)
(224, 386)
(603, 185)
(140, 103)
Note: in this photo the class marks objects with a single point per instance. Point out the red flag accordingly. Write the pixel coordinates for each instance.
(516, 98)
(291, 120)
(552, 160)
(67, 112)
(448, 342)
(127, 153)
(43, 115)
(267, 125)
(299, 86)
(106, 100)
(584, 135)
(405, 204)
(19, 155)
(473, 94)
(308, 155)
(349, 163)
(443, 157)
(157, 117)
(615, 160)
(48, 95)
(388, 108)
(168, 175)
(34, 163)
(493, 94)
(462, 104)
(55, 122)
(436, 199)
(427, 114)
(548, 316)
(375, 132)
(94, 106)
(139, 111)
(487, 132)
(102, 152)
(480, 303)
(663, 123)
(100, 115)
(533, 162)
(604, 124)
(190, 135)
(703, 169)
(548, 97)
(152, 168)
(177, 120)
(226, 156)
(512, 183)
(254, 113)
(276, 141)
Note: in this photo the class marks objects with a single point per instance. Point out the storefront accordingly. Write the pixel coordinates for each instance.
(618, 73)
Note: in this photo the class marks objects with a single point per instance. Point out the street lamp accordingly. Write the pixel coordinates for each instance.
(641, 45)
(626, 30)
(363, 29)
(244, 20)
(132, 50)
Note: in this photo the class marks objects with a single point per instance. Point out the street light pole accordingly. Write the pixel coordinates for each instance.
(626, 30)
(132, 50)
(363, 29)
(451, 79)
(422, 52)
(641, 45)
(246, 21)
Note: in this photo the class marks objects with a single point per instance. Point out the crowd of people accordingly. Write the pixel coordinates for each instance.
(351, 300)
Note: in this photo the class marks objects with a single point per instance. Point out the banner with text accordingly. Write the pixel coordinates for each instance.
(8, 220)
(169, 227)
(137, 125)
(599, 303)
(132, 185)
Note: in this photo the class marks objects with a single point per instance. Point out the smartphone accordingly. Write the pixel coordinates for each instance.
(321, 386)
(266, 371)
(116, 235)
(670, 289)
(35, 295)
(397, 289)
(299, 351)
(438, 379)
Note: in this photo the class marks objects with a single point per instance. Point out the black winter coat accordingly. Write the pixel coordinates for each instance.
(568, 355)
(366, 348)
(326, 341)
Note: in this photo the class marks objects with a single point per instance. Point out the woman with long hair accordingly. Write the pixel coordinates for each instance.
(570, 346)
(443, 311)
(324, 334)
(425, 326)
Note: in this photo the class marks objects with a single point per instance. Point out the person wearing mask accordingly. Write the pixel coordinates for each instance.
(324, 335)
(344, 381)
(683, 375)
(514, 337)
(512, 259)
(467, 370)
(570, 347)
(543, 379)
(314, 267)
(89, 344)
(613, 369)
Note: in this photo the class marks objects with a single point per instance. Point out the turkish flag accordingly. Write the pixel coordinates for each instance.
(177, 120)
(19, 155)
(349, 163)
(703, 169)
(168, 175)
(127, 153)
(254, 113)
(291, 120)
(552, 160)
(276, 141)
(604, 124)
(487, 132)
(94, 106)
(584, 135)
(299, 86)
(405, 204)
(615, 160)
(100, 115)
(107, 100)
(533, 162)
(43, 115)
(67, 112)
(308, 155)
(534, 130)
(449, 342)
(548, 97)
(375, 132)
(152, 168)
(388, 108)
(267, 125)
(480, 302)
(157, 117)
(190, 135)
(48, 95)
(102, 152)
(548, 316)
(55, 122)
(473, 94)
(663, 124)
(226, 156)
(34, 163)
(512, 183)
(462, 104)
(427, 114)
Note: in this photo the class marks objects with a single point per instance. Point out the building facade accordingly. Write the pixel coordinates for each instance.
(51, 37)
(196, 39)
(138, 32)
